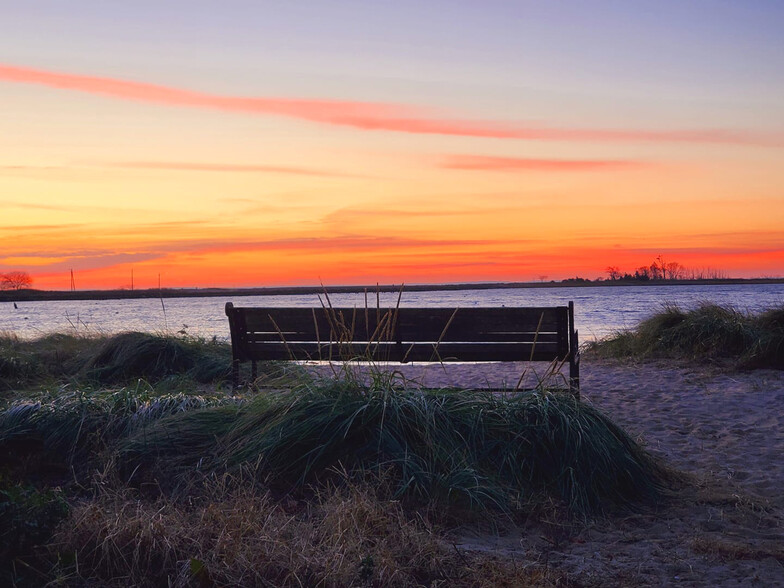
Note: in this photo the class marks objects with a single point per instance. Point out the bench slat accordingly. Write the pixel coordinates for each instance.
(294, 336)
(447, 352)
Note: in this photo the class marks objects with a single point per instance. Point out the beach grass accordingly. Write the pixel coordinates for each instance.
(453, 448)
(707, 333)
(121, 359)
(127, 478)
(449, 448)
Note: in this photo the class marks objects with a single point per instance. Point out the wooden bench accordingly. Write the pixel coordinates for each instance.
(405, 334)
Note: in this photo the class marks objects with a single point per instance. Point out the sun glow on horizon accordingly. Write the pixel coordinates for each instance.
(212, 167)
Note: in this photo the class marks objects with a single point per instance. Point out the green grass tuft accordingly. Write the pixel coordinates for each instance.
(118, 359)
(709, 332)
(154, 357)
(462, 448)
(51, 357)
(72, 429)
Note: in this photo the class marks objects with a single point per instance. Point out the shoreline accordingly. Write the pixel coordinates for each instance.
(121, 294)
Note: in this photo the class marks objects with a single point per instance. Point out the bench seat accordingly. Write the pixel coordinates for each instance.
(405, 334)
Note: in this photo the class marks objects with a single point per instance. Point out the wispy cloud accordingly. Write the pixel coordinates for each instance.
(14, 168)
(360, 213)
(319, 244)
(99, 258)
(56, 227)
(32, 205)
(739, 250)
(489, 163)
(371, 116)
(95, 260)
(229, 168)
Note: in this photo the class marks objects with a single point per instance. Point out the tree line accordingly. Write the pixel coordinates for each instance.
(661, 269)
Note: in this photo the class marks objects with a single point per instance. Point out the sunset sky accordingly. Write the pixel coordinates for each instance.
(275, 143)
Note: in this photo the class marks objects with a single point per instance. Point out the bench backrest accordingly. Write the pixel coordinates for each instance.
(403, 334)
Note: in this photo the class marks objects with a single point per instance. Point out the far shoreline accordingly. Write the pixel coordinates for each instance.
(32, 295)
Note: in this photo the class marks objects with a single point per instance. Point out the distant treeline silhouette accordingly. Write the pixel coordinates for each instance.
(662, 269)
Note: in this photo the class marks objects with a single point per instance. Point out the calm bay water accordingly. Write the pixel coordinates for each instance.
(599, 311)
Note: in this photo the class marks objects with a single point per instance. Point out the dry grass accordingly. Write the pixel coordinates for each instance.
(732, 550)
(237, 535)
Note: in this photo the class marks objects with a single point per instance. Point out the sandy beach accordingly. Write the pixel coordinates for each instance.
(721, 428)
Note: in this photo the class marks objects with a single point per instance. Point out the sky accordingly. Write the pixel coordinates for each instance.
(233, 144)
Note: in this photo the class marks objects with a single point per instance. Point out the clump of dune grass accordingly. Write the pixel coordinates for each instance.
(239, 535)
(460, 447)
(56, 356)
(155, 357)
(94, 360)
(110, 360)
(73, 427)
(708, 332)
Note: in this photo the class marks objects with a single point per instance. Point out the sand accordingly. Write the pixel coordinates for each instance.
(724, 429)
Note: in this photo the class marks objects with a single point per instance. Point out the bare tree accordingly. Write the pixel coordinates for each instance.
(662, 267)
(675, 270)
(15, 281)
(613, 271)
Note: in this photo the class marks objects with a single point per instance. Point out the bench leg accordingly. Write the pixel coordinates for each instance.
(574, 380)
(235, 373)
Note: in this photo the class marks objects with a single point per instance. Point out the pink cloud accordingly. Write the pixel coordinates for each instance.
(370, 115)
(481, 162)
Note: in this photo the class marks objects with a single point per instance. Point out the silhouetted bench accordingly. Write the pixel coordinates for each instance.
(405, 335)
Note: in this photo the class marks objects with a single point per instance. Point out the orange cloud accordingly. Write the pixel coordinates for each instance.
(96, 258)
(488, 163)
(16, 204)
(370, 115)
(224, 167)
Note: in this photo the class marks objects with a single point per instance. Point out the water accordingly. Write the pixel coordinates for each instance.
(599, 311)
